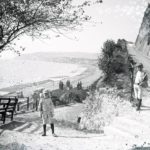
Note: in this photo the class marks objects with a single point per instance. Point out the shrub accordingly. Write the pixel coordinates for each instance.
(61, 85)
(106, 59)
(101, 107)
(67, 96)
(122, 44)
(73, 95)
(20, 94)
(79, 85)
(80, 95)
(118, 64)
(113, 59)
(68, 84)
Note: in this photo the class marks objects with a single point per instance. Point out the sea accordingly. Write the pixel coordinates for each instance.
(16, 72)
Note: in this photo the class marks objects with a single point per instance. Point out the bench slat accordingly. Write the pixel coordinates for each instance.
(7, 105)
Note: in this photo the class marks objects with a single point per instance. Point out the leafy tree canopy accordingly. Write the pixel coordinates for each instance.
(32, 17)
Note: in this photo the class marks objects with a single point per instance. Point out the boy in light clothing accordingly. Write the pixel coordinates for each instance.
(138, 89)
(46, 109)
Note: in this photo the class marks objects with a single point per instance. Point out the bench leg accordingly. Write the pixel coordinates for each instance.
(12, 114)
(4, 118)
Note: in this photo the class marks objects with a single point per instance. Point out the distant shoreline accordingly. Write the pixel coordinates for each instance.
(87, 77)
(23, 72)
(88, 71)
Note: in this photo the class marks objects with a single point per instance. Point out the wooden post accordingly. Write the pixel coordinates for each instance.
(79, 120)
(132, 80)
(27, 103)
(18, 108)
(36, 104)
(33, 103)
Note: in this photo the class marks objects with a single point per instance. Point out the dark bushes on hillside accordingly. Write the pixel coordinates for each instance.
(68, 96)
(113, 59)
(79, 85)
(106, 59)
(68, 84)
(61, 85)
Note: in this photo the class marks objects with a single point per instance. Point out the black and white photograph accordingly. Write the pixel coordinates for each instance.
(74, 74)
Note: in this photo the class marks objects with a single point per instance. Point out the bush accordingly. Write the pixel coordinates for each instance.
(101, 107)
(79, 85)
(122, 44)
(80, 95)
(68, 84)
(113, 59)
(73, 95)
(118, 65)
(67, 96)
(61, 85)
(106, 60)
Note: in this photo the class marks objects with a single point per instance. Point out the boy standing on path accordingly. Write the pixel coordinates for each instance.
(140, 80)
(46, 109)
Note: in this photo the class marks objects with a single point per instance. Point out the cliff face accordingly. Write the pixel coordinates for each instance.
(142, 43)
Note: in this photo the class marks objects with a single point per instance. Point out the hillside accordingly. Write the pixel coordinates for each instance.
(142, 43)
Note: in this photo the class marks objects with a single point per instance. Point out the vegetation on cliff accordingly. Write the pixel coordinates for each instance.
(113, 59)
(112, 95)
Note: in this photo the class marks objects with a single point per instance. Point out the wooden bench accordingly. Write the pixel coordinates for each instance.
(7, 107)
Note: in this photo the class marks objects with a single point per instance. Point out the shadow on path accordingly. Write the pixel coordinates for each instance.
(11, 125)
(80, 137)
(146, 106)
(66, 124)
(141, 148)
(144, 109)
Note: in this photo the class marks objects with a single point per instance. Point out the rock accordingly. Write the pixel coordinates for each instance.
(143, 40)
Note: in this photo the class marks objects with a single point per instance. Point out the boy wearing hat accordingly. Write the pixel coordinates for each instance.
(46, 109)
(138, 89)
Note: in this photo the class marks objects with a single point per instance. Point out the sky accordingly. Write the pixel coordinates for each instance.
(113, 19)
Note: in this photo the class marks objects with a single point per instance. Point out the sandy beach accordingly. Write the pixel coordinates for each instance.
(87, 74)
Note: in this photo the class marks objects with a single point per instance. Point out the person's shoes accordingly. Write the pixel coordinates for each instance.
(54, 135)
(43, 134)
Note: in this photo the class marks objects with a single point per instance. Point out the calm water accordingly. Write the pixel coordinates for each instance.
(15, 72)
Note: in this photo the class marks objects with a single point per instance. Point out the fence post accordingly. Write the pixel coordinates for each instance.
(36, 104)
(27, 103)
(18, 108)
(33, 104)
(132, 83)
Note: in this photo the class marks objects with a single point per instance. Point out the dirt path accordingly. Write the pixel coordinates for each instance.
(25, 133)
